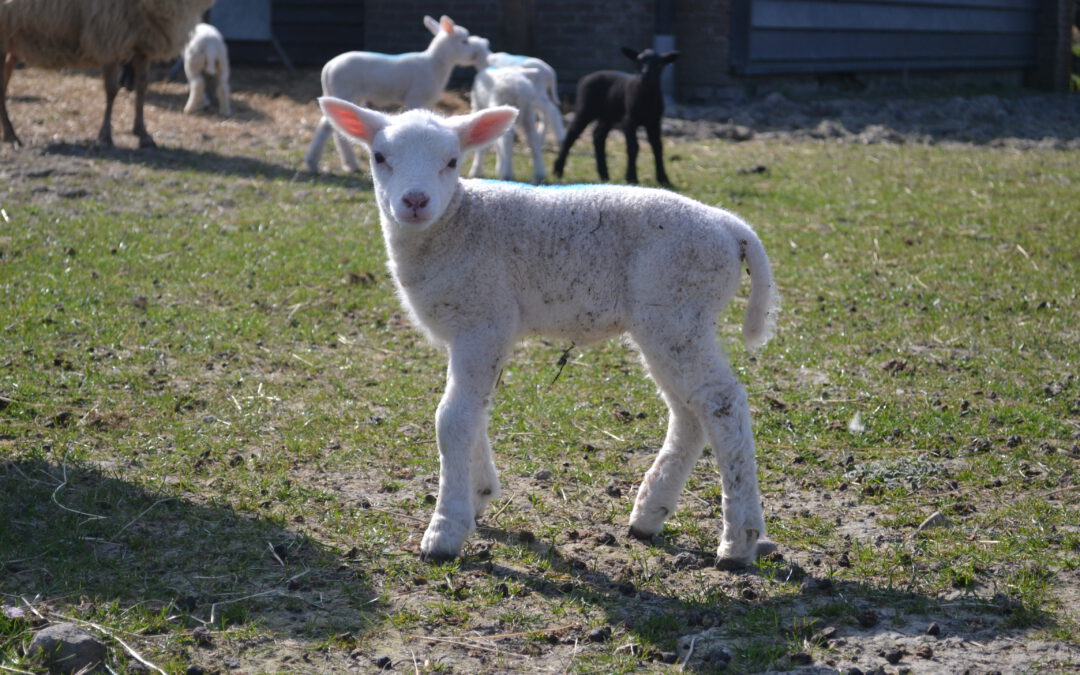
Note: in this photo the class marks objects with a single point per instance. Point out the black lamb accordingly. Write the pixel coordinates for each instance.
(614, 98)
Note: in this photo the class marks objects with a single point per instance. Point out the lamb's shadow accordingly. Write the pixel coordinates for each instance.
(241, 111)
(808, 608)
(72, 531)
(173, 159)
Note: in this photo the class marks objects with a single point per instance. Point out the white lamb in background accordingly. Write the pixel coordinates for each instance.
(521, 88)
(480, 264)
(547, 83)
(411, 80)
(206, 54)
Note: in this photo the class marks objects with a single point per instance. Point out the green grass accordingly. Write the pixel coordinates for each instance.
(215, 414)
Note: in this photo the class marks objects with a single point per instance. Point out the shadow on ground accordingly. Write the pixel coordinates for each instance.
(183, 159)
(71, 531)
(796, 610)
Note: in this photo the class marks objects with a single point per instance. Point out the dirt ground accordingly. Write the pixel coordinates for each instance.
(57, 116)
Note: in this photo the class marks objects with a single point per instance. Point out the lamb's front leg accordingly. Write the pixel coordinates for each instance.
(465, 468)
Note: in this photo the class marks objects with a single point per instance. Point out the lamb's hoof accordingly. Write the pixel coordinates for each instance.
(764, 547)
(437, 556)
(146, 142)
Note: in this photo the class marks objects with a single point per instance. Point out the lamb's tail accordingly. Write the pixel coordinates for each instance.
(760, 318)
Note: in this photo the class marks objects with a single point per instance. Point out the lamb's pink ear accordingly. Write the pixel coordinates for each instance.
(447, 24)
(359, 124)
(484, 127)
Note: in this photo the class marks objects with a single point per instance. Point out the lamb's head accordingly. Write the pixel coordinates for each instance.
(415, 155)
(451, 40)
(481, 51)
(649, 63)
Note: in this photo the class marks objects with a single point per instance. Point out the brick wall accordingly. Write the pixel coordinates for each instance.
(575, 36)
(702, 36)
(395, 26)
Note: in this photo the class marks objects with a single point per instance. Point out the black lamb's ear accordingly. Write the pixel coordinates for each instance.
(670, 56)
(630, 53)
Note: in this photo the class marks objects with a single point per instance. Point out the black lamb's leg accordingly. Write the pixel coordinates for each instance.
(572, 133)
(652, 131)
(599, 139)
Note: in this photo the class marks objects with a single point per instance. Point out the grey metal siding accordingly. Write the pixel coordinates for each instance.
(808, 36)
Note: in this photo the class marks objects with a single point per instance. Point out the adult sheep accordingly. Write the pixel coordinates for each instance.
(101, 34)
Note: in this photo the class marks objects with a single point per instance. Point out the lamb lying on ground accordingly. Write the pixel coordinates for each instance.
(479, 264)
(411, 80)
(206, 54)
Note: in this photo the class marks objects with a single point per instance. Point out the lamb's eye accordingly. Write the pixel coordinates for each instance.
(452, 163)
(379, 159)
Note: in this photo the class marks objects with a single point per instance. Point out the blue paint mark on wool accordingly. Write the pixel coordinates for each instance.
(530, 186)
(393, 56)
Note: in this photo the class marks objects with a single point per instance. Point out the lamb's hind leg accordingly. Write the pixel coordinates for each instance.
(659, 492)
(697, 375)
(725, 411)
(346, 153)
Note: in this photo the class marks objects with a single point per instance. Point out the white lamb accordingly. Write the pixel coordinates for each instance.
(521, 88)
(479, 264)
(412, 80)
(206, 54)
(547, 83)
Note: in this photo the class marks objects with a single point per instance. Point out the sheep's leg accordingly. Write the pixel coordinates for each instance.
(535, 140)
(345, 152)
(504, 156)
(553, 121)
(599, 140)
(630, 131)
(141, 65)
(477, 169)
(224, 106)
(652, 132)
(659, 492)
(314, 151)
(6, 128)
(110, 76)
(465, 468)
(196, 92)
(700, 378)
(577, 126)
